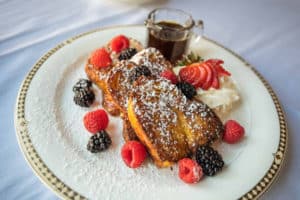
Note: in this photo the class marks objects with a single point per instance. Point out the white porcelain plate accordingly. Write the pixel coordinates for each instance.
(52, 137)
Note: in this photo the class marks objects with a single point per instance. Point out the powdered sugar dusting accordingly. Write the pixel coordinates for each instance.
(119, 75)
(158, 103)
(102, 175)
(152, 59)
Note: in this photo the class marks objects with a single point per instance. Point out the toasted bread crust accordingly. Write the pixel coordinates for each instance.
(140, 132)
(170, 125)
(94, 75)
(153, 110)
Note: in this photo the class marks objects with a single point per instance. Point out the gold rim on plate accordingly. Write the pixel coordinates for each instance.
(65, 192)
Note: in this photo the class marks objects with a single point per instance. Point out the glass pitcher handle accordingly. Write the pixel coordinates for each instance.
(198, 30)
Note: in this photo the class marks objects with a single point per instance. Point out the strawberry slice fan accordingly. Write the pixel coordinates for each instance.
(204, 74)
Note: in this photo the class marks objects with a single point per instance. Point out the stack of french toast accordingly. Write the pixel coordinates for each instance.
(153, 109)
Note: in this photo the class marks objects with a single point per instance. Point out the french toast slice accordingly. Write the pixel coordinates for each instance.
(100, 76)
(167, 123)
(119, 82)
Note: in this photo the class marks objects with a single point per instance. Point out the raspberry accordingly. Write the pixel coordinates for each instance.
(100, 58)
(95, 121)
(133, 154)
(233, 132)
(168, 74)
(189, 171)
(119, 43)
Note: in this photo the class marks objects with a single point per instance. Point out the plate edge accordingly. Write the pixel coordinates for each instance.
(63, 191)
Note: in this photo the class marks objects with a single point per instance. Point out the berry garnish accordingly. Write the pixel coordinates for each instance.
(139, 71)
(209, 159)
(84, 97)
(99, 142)
(186, 73)
(168, 74)
(187, 89)
(209, 76)
(119, 43)
(189, 171)
(133, 154)
(233, 132)
(217, 64)
(215, 82)
(127, 54)
(82, 84)
(100, 58)
(204, 75)
(95, 121)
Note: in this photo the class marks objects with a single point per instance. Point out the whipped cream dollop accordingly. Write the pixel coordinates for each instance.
(221, 100)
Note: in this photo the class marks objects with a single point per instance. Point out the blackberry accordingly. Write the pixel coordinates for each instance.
(127, 54)
(209, 159)
(187, 89)
(84, 98)
(99, 142)
(82, 84)
(139, 71)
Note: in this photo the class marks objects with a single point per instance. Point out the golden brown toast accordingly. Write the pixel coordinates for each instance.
(167, 123)
(119, 83)
(100, 76)
(116, 85)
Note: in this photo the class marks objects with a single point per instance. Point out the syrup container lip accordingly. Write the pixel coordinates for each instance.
(150, 21)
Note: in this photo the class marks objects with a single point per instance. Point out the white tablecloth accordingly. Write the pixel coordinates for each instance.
(266, 33)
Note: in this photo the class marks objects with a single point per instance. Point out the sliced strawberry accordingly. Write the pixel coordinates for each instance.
(168, 74)
(203, 76)
(209, 77)
(215, 61)
(185, 74)
(197, 82)
(215, 82)
(196, 76)
(195, 64)
(221, 71)
(194, 73)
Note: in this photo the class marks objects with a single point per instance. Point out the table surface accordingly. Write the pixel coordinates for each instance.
(266, 33)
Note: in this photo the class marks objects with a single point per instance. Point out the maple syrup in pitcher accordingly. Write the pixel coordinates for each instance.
(170, 31)
(170, 40)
